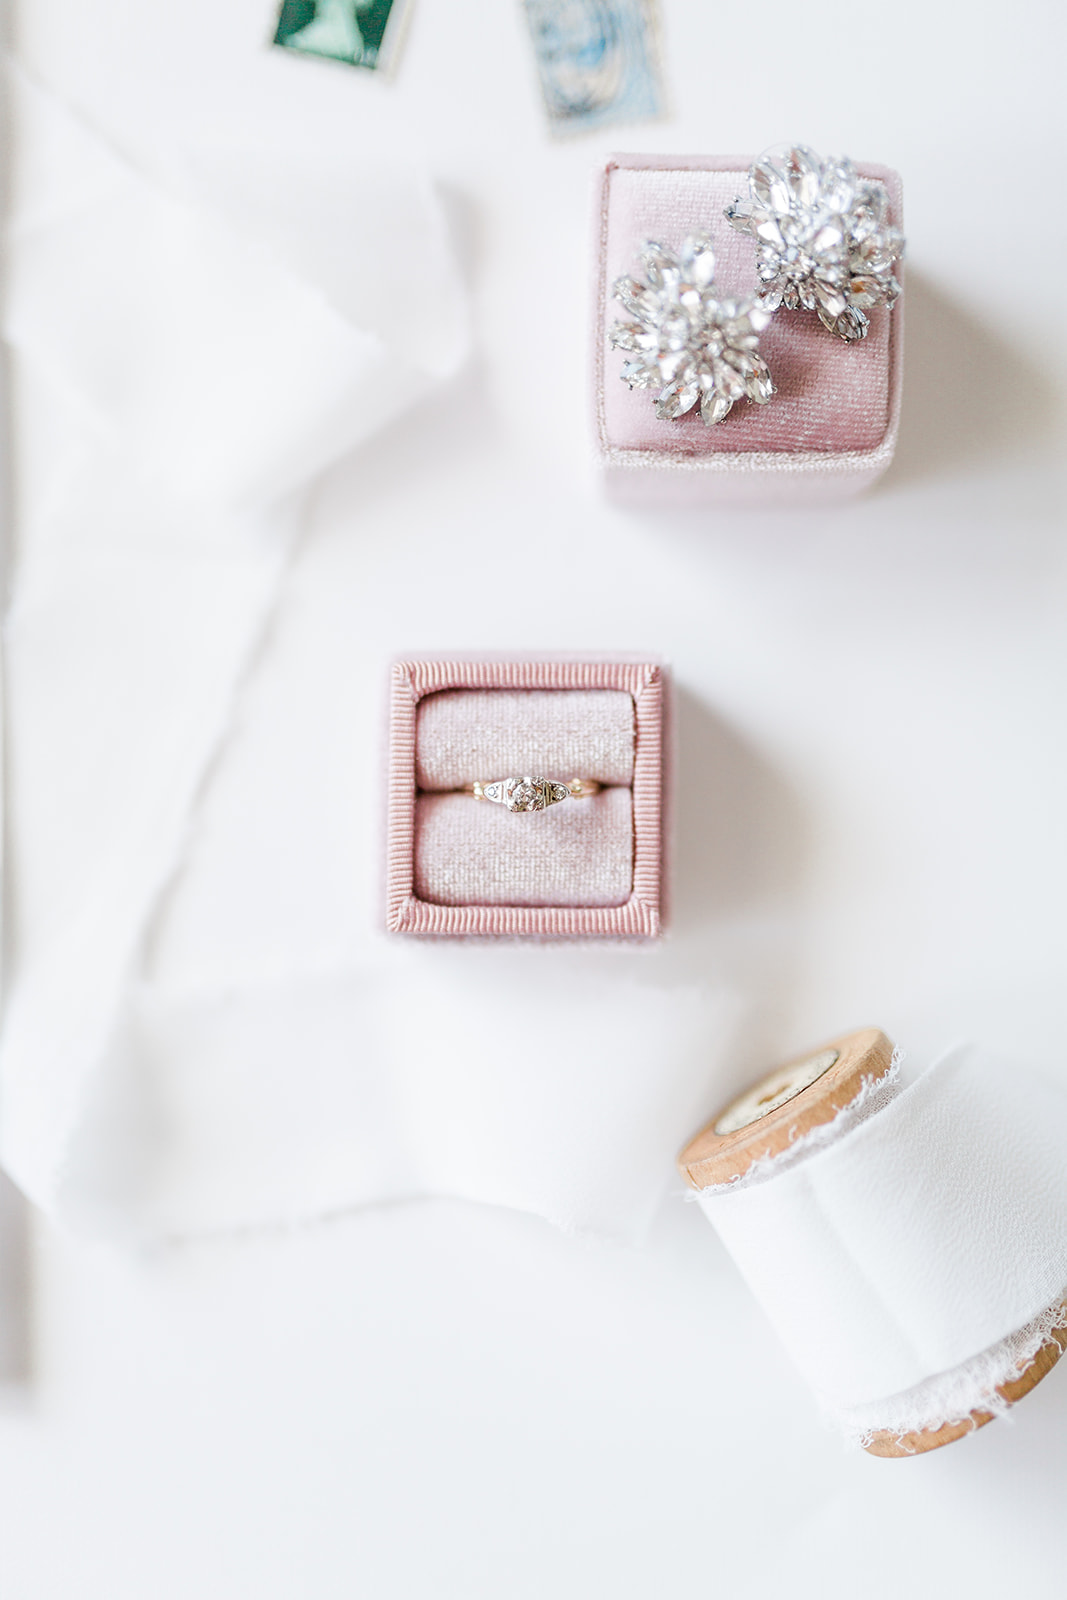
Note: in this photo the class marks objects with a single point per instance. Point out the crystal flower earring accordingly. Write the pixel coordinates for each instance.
(823, 238)
(686, 341)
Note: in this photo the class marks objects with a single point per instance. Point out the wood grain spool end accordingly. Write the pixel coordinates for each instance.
(893, 1446)
(794, 1107)
(804, 1094)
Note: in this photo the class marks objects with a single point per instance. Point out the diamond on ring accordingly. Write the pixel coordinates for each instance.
(682, 338)
(533, 794)
(823, 238)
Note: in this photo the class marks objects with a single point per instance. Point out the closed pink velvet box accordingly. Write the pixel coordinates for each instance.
(832, 426)
(588, 867)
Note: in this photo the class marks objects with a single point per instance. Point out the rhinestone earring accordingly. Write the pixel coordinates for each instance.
(686, 341)
(823, 239)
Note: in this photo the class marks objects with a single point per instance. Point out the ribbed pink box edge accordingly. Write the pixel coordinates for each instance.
(639, 916)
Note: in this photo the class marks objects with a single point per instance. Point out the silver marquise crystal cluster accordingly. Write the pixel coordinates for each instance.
(823, 239)
(685, 340)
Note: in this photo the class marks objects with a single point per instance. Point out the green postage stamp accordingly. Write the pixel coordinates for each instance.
(363, 33)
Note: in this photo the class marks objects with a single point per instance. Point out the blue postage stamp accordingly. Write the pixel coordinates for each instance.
(598, 61)
(363, 33)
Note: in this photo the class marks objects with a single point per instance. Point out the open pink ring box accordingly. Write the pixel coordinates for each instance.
(583, 867)
(831, 428)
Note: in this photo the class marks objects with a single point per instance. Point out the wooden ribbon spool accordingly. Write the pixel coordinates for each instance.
(767, 1118)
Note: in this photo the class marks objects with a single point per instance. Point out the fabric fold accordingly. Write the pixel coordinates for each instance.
(207, 381)
(199, 1036)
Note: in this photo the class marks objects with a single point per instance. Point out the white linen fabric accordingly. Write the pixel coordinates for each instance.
(200, 356)
(922, 1237)
(196, 337)
(303, 1095)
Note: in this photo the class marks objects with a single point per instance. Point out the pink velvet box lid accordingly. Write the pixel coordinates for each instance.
(428, 825)
(832, 426)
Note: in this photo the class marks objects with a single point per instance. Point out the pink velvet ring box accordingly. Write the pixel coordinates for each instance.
(830, 429)
(583, 867)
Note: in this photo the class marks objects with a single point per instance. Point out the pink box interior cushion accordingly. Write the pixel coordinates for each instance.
(457, 865)
(832, 425)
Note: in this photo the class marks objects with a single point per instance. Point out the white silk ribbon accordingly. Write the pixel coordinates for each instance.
(920, 1238)
(193, 346)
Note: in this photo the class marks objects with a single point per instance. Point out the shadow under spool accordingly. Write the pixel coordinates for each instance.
(767, 1119)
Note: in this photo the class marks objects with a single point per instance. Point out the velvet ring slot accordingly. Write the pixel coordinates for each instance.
(589, 867)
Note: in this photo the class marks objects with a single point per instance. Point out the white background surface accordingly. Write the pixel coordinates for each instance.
(446, 1400)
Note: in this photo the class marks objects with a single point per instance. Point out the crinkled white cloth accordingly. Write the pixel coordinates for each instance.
(200, 348)
(196, 340)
